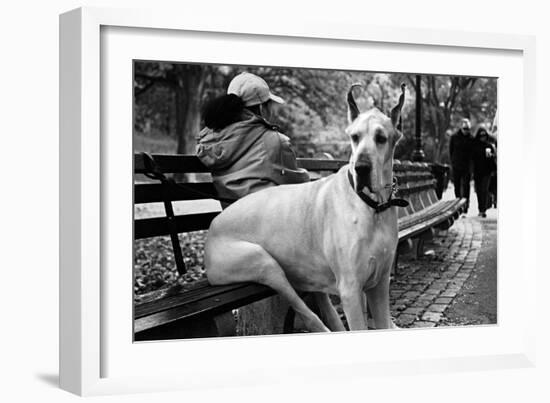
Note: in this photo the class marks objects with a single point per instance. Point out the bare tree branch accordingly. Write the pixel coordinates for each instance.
(411, 81)
(141, 90)
(156, 79)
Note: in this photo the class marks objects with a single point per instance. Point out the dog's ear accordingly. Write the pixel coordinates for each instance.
(396, 111)
(353, 110)
(398, 136)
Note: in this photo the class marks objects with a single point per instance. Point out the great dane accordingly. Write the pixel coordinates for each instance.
(337, 235)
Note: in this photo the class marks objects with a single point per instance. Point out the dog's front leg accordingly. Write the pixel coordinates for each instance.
(328, 313)
(378, 299)
(353, 304)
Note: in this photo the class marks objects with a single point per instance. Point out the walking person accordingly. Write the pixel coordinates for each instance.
(244, 151)
(460, 151)
(484, 157)
(493, 181)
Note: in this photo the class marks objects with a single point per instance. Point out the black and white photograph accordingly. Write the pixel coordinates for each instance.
(275, 202)
(279, 200)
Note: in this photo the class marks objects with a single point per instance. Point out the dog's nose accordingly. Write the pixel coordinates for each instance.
(363, 169)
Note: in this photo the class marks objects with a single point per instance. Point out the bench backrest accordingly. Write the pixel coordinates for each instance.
(151, 192)
(172, 224)
(417, 184)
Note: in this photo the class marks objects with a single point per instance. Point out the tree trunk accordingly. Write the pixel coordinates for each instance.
(189, 86)
(445, 124)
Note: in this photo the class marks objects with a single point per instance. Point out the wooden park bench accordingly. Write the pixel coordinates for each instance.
(202, 310)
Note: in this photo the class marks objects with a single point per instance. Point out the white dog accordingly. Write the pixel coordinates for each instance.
(337, 235)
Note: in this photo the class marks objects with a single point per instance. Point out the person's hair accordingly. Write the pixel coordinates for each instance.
(480, 131)
(255, 109)
(259, 109)
(222, 111)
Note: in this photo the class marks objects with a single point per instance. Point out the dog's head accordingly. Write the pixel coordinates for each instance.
(373, 137)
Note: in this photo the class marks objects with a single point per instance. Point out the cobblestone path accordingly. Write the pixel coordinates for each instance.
(422, 289)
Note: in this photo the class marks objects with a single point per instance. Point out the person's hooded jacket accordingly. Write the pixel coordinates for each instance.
(483, 155)
(247, 156)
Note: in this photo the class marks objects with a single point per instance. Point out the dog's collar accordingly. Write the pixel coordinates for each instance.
(376, 206)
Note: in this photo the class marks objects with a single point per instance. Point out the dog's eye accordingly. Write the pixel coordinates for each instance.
(380, 138)
(354, 138)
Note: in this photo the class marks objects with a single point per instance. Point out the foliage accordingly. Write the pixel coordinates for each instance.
(445, 101)
(314, 116)
(154, 265)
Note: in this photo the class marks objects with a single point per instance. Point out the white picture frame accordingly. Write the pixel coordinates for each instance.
(88, 315)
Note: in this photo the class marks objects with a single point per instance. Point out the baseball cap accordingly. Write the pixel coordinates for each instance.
(253, 90)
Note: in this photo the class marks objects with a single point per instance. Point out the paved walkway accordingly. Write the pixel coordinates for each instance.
(454, 283)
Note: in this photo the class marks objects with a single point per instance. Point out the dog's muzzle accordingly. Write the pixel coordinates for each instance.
(363, 173)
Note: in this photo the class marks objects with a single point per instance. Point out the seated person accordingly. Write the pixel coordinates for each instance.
(243, 150)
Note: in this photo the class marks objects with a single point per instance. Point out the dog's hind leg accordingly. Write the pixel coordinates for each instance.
(328, 312)
(276, 279)
(240, 261)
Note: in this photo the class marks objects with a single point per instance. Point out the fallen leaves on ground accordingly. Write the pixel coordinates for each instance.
(155, 266)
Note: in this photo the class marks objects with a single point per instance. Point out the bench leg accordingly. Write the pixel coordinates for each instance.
(405, 247)
(419, 247)
(267, 316)
(219, 326)
(425, 236)
(225, 324)
(290, 316)
(445, 225)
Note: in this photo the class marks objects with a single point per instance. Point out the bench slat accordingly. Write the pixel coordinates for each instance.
(171, 163)
(423, 226)
(235, 297)
(415, 188)
(405, 176)
(158, 226)
(183, 163)
(153, 192)
(435, 209)
(200, 289)
(312, 164)
(424, 220)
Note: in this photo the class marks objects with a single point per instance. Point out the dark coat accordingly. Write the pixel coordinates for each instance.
(247, 156)
(460, 150)
(483, 164)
